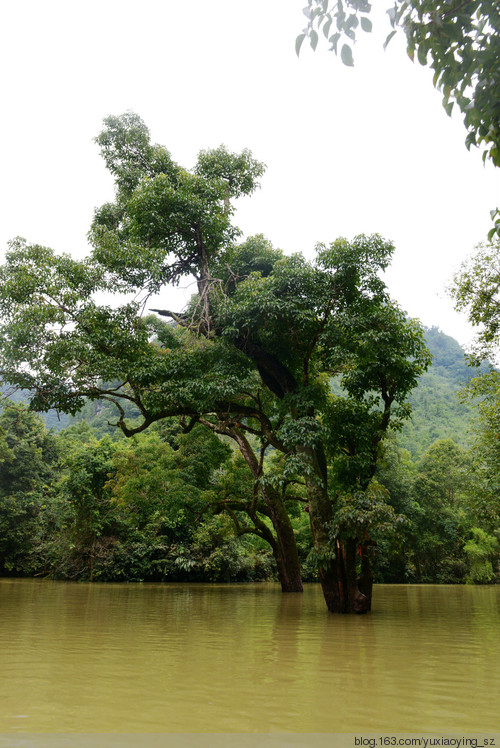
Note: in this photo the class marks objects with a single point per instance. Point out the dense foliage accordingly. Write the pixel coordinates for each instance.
(476, 291)
(159, 517)
(438, 410)
(77, 506)
(149, 508)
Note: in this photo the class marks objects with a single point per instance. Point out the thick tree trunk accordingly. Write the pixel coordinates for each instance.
(331, 587)
(342, 590)
(320, 515)
(365, 579)
(290, 577)
(285, 550)
(355, 601)
(288, 570)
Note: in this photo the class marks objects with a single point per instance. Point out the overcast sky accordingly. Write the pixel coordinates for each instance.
(348, 151)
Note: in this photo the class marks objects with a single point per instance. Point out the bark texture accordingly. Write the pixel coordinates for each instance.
(343, 590)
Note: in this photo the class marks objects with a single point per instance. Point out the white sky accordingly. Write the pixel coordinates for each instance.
(368, 149)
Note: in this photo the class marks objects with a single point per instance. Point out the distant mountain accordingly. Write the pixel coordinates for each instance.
(437, 411)
(448, 357)
(52, 419)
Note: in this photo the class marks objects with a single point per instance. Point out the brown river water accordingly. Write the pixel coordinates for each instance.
(158, 658)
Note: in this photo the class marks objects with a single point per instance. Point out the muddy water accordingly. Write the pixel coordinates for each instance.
(245, 658)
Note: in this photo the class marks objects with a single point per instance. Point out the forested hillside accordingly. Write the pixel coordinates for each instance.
(438, 412)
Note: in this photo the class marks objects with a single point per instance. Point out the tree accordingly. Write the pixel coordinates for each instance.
(449, 500)
(484, 490)
(253, 491)
(459, 40)
(166, 496)
(84, 486)
(254, 352)
(480, 550)
(129, 509)
(266, 499)
(441, 523)
(476, 290)
(395, 561)
(28, 455)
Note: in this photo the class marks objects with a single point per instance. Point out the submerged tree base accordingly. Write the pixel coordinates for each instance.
(354, 603)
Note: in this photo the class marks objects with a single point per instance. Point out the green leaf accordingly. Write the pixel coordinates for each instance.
(346, 56)
(388, 39)
(422, 54)
(457, 39)
(298, 43)
(352, 22)
(470, 140)
(313, 37)
(334, 40)
(366, 24)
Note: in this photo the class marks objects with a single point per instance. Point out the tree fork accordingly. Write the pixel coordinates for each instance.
(285, 551)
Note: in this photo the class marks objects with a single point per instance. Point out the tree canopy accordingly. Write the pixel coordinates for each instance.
(476, 290)
(253, 355)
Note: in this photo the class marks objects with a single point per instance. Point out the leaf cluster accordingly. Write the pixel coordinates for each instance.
(459, 40)
(476, 290)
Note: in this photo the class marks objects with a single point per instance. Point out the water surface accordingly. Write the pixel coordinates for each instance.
(246, 658)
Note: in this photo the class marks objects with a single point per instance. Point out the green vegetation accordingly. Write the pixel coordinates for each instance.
(167, 505)
(261, 421)
(458, 40)
(475, 291)
(441, 471)
(438, 410)
(27, 460)
(250, 359)
(77, 506)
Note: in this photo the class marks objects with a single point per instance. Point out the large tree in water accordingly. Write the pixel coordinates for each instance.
(309, 360)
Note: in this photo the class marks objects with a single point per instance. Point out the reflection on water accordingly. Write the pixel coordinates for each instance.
(245, 658)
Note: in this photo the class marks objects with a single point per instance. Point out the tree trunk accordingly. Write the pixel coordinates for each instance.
(365, 579)
(355, 601)
(284, 546)
(285, 550)
(320, 516)
(331, 587)
(336, 560)
(343, 590)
